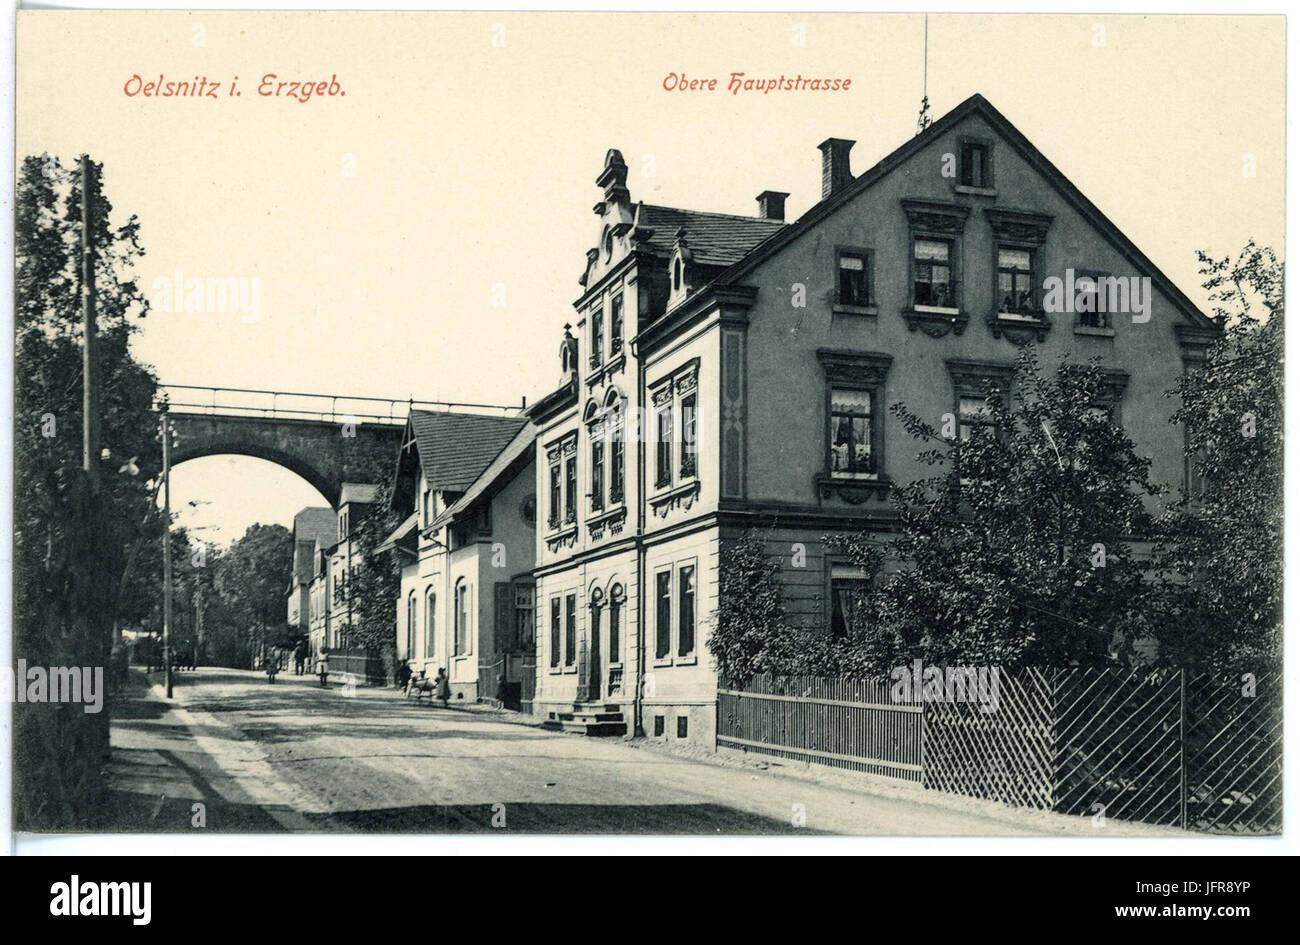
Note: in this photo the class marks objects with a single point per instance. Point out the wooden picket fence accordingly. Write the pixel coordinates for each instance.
(844, 723)
(1162, 748)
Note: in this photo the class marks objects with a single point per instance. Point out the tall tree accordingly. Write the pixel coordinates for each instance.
(1223, 558)
(69, 541)
(1017, 551)
(250, 578)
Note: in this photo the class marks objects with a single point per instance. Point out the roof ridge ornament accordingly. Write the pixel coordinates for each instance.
(923, 119)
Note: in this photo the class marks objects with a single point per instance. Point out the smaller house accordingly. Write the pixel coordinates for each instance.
(467, 551)
(313, 527)
(334, 559)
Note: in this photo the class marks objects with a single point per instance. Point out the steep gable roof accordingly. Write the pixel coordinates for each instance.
(497, 474)
(456, 447)
(716, 239)
(975, 105)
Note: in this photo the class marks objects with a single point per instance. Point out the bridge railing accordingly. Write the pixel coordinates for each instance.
(297, 405)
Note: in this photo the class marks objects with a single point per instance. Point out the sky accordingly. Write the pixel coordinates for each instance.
(421, 234)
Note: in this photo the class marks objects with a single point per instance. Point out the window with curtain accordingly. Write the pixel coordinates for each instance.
(1016, 294)
(850, 445)
(847, 611)
(932, 269)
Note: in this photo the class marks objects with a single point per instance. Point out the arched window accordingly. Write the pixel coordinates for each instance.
(410, 625)
(462, 617)
(616, 600)
(430, 621)
(677, 274)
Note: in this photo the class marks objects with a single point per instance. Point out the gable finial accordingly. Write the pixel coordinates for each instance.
(923, 119)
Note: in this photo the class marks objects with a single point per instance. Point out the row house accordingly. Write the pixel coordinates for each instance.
(334, 562)
(314, 530)
(466, 551)
(724, 373)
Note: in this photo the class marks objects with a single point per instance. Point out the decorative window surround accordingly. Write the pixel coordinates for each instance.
(611, 521)
(1114, 383)
(1025, 230)
(863, 371)
(970, 377)
(1193, 342)
(931, 219)
(682, 465)
(682, 496)
(605, 373)
(560, 523)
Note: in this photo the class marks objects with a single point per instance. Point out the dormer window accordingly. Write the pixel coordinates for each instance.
(677, 275)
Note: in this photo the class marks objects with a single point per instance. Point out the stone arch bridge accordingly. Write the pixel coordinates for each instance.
(326, 439)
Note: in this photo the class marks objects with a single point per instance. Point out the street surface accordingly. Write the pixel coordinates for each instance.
(295, 757)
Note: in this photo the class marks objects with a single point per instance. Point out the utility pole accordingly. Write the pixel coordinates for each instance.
(167, 548)
(90, 363)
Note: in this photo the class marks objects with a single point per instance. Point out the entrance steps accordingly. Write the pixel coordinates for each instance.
(588, 718)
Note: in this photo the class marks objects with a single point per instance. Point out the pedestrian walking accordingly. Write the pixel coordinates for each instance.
(403, 675)
(323, 666)
(442, 686)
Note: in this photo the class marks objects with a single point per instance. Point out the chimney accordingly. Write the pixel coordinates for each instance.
(771, 205)
(835, 164)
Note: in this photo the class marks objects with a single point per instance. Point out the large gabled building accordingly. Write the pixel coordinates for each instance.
(731, 372)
